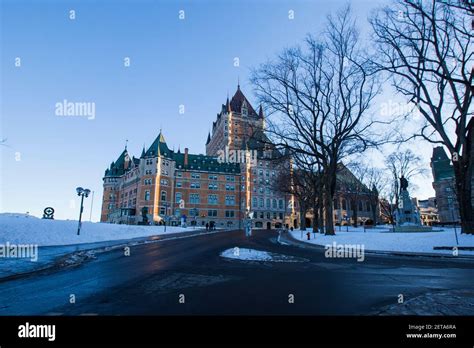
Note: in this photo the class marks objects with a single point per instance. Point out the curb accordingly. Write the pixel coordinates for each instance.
(288, 238)
(61, 260)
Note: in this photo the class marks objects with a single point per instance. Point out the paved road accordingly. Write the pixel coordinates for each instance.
(154, 278)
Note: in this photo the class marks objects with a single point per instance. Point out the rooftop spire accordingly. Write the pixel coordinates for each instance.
(260, 111)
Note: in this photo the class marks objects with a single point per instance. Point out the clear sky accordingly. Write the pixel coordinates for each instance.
(173, 62)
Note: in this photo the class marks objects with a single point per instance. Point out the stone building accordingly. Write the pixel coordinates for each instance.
(443, 184)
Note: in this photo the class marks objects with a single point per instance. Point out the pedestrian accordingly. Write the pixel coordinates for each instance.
(207, 226)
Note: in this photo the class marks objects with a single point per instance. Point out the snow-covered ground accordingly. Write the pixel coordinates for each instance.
(258, 255)
(381, 239)
(22, 229)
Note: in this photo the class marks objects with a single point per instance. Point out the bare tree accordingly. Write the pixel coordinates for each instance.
(317, 99)
(426, 47)
(371, 182)
(402, 163)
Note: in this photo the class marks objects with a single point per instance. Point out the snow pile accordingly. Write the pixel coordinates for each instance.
(380, 239)
(258, 255)
(23, 229)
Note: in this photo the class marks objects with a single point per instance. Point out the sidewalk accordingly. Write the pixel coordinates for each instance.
(286, 237)
(69, 255)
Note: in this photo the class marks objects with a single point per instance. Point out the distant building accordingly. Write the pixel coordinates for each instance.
(428, 211)
(444, 186)
(221, 187)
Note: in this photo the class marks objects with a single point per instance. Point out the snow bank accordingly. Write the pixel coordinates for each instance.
(258, 255)
(23, 229)
(380, 239)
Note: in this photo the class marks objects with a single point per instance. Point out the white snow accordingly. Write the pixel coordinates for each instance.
(381, 239)
(258, 255)
(23, 229)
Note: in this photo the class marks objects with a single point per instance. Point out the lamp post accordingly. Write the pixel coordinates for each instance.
(82, 193)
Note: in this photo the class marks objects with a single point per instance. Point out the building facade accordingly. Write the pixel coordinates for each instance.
(428, 211)
(222, 187)
(444, 186)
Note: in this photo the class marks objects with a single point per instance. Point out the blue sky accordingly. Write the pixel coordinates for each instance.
(174, 62)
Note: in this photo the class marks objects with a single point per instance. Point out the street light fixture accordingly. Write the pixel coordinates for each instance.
(82, 193)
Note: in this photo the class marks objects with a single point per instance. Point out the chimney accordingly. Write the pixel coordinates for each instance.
(185, 156)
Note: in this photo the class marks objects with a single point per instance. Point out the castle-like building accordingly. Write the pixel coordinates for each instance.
(234, 178)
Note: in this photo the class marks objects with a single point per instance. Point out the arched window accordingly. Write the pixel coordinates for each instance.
(163, 195)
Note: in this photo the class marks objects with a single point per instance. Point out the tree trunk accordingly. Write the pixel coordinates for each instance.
(463, 180)
(354, 212)
(321, 212)
(374, 211)
(302, 218)
(315, 217)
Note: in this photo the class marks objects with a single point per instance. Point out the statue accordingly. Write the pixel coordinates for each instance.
(403, 183)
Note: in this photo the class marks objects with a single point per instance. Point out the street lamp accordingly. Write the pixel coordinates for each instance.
(82, 193)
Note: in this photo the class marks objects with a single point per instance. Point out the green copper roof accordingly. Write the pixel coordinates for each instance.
(117, 168)
(441, 164)
(158, 147)
(205, 163)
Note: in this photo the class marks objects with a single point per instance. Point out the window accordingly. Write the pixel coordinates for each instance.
(163, 182)
(230, 178)
(163, 195)
(195, 184)
(260, 190)
(260, 172)
(212, 186)
(148, 172)
(164, 171)
(179, 184)
(254, 202)
(280, 216)
(162, 211)
(229, 200)
(194, 198)
(212, 212)
(179, 174)
(280, 204)
(229, 187)
(179, 197)
(212, 177)
(194, 212)
(212, 199)
(195, 176)
(261, 202)
(268, 203)
(274, 204)
(147, 195)
(229, 213)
